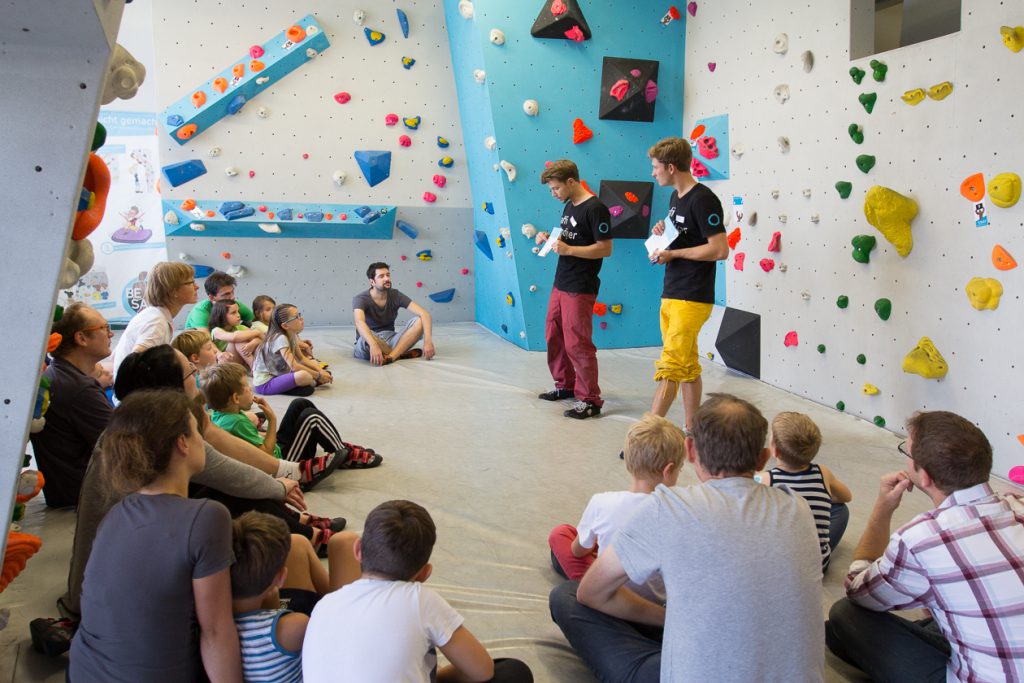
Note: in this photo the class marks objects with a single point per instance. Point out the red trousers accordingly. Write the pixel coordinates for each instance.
(560, 541)
(572, 356)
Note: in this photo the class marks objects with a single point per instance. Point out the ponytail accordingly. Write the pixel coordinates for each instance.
(278, 317)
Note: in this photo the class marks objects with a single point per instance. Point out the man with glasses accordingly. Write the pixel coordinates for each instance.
(375, 312)
(961, 560)
(79, 409)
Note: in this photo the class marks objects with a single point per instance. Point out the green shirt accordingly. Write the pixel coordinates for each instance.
(199, 316)
(240, 426)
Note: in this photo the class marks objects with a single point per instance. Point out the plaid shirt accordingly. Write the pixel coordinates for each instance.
(964, 561)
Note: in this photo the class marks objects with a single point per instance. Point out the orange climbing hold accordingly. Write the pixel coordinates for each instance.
(20, 548)
(600, 308)
(734, 238)
(296, 34)
(198, 98)
(973, 188)
(186, 131)
(188, 205)
(630, 197)
(238, 70)
(256, 66)
(580, 133)
(1001, 258)
(210, 213)
(586, 187)
(697, 132)
(220, 84)
(97, 182)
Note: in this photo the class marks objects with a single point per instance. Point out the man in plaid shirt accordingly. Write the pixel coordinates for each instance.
(962, 560)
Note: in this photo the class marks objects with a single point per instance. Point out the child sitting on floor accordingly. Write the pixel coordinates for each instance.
(654, 453)
(794, 442)
(281, 366)
(198, 347)
(385, 626)
(271, 568)
(228, 333)
(263, 306)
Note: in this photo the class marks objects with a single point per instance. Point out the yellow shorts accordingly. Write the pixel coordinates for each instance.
(680, 324)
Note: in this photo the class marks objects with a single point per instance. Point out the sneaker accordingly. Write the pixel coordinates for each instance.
(315, 470)
(334, 524)
(581, 410)
(557, 394)
(360, 458)
(52, 637)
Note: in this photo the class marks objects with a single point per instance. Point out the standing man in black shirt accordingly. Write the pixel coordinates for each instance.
(585, 240)
(689, 291)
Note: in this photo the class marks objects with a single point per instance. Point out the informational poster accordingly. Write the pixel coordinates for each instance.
(130, 240)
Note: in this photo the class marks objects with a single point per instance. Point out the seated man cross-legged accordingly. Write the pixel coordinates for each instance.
(375, 312)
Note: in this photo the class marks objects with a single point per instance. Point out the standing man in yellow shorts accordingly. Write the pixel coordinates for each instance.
(689, 291)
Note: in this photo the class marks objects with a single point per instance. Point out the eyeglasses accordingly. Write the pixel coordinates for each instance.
(190, 283)
(902, 449)
(193, 372)
(93, 328)
(297, 316)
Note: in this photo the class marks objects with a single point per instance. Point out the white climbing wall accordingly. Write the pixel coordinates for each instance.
(923, 152)
(202, 37)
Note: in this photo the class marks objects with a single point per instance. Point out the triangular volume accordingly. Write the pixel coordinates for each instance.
(739, 341)
(629, 203)
(375, 165)
(561, 19)
(629, 89)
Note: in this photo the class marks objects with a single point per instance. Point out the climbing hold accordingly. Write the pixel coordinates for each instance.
(172, 121)
(238, 70)
(509, 169)
(188, 205)
(531, 107)
(843, 301)
(509, 299)
(479, 75)
(488, 207)
(752, 219)
(856, 133)
(171, 218)
(616, 309)
(734, 238)
(791, 339)
(738, 260)
(440, 180)
(821, 348)
(940, 91)
(220, 84)
(891, 213)
(295, 34)
(262, 80)
(483, 244)
(403, 22)
(443, 296)
(339, 178)
(286, 214)
(600, 309)
(712, 66)
(844, 188)
(256, 65)
(466, 9)
(263, 112)
(375, 165)
(783, 218)
(500, 241)
(781, 44)
(236, 104)
(878, 70)
(879, 421)
(861, 358)
(183, 171)
(774, 244)
(198, 99)
(840, 406)
(424, 255)
(1004, 189)
(698, 170)
(412, 123)
(375, 37)
(490, 143)
(198, 227)
(252, 174)
(775, 194)
(707, 147)
(870, 390)
(913, 97)
(925, 360)
(213, 152)
(984, 293)
(575, 34)
(410, 231)
(464, 271)
(630, 197)
(272, 228)
(781, 93)
(737, 150)
(390, 119)
(805, 295)
(973, 187)
(226, 255)
(865, 162)
(419, 284)
(580, 133)
(857, 74)
(445, 162)
(404, 140)
(529, 231)
(429, 197)
(767, 264)
(783, 267)
(868, 100)
(862, 246)
(442, 142)
(407, 63)
(497, 36)
(1001, 258)
(692, 9)
(1013, 37)
(883, 307)
(807, 59)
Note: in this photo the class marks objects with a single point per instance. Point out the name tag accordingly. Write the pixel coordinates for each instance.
(572, 221)
(680, 219)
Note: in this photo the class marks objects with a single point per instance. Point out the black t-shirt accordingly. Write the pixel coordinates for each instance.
(698, 216)
(582, 226)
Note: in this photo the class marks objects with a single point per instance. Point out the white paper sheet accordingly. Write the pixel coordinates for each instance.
(552, 238)
(662, 241)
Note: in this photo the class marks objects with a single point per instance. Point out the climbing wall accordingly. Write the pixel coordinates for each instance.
(923, 152)
(297, 130)
(564, 77)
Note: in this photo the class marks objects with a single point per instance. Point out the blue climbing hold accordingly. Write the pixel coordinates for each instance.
(488, 207)
(362, 211)
(202, 271)
(403, 21)
(375, 165)
(483, 244)
(509, 299)
(412, 232)
(184, 171)
(236, 104)
(445, 162)
(375, 37)
(243, 212)
(424, 255)
(443, 296)
(314, 216)
(175, 120)
(372, 216)
(442, 142)
(284, 215)
(84, 199)
(412, 123)
(228, 207)
(407, 62)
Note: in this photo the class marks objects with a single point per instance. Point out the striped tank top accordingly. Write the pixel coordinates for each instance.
(810, 484)
(263, 658)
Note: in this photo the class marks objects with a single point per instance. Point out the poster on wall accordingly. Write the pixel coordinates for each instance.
(130, 240)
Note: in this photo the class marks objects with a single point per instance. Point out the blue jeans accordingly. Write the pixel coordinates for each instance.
(887, 647)
(616, 651)
(840, 517)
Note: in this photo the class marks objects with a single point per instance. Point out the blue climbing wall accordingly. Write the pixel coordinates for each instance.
(564, 77)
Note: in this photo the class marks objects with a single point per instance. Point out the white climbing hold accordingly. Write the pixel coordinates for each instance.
(184, 257)
(263, 112)
(171, 218)
(490, 143)
(311, 52)
(466, 9)
(536, 250)
(198, 227)
(807, 58)
(508, 254)
(782, 93)
(738, 150)
(533, 288)
(497, 36)
(529, 231)
(807, 192)
(783, 218)
(506, 232)
(781, 44)
(783, 144)
(262, 79)
(522, 334)
(752, 219)
(783, 267)
(230, 171)
(479, 75)
(272, 228)
(214, 152)
(815, 217)
(758, 285)
(531, 107)
(775, 194)
(236, 271)
(339, 177)
(805, 295)
(359, 16)
(509, 169)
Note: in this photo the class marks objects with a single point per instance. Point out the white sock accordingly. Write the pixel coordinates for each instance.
(289, 469)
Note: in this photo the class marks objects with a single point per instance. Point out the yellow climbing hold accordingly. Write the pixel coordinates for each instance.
(891, 213)
(925, 360)
(870, 390)
(913, 97)
(984, 293)
(1013, 37)
(1004, 189)
(940, 91)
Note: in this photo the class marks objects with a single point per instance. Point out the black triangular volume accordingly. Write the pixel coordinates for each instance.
(739, 341)
(552, 25)
(626, 85)
(631, 223)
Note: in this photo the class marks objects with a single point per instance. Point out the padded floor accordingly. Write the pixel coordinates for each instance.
(465, 436)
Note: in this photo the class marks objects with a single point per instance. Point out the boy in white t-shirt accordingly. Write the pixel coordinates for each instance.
(654, 453)
(384, 628)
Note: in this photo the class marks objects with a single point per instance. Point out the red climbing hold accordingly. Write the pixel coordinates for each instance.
(738, 259)
(791, 339)
(674, 12)
(631, 197)
(465, 271)
(600, 308)
(734, 238)
(575, 34)
(343, 97)
(776, 239)
(419, 284)
(262, 208)
(698, 169)
(252, 174)
(305, 155)
(404, 140)
(440, 180)
(226, 255)
(558, 7)
(619, 89)
(403, 257)
(767, 264)
(692, 9)
(580, 133)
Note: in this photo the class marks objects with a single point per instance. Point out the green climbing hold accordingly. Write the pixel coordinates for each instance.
(868, 99)
(99, 137)
(861, 358)
(843, 301)
(862, 246)
(844, 188)
(879, 421)
(840, 406)
(865, 162)
(856, 133)
(58, 313)
(883, 307)
(878, 70)
(821, 348)
(857, 74)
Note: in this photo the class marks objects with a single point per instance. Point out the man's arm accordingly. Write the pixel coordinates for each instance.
(599, 249)
(376, 353)
(716, 249)
(428, 341)
(878, 530)
(603, 588)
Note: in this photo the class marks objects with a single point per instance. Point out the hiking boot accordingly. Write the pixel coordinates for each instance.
(52, 637)
(557, 394)
(581, 410)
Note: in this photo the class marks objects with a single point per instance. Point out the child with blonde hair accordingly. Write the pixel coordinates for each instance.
(197, 345)
(794, 442)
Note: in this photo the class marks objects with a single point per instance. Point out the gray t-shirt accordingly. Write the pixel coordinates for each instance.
(721, 546)
(380, 319)
(138, 611)
(269, 363)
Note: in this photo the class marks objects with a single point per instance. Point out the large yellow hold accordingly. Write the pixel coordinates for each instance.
(1004, 189)
(891, 213)
(925, 360)
(984, 293)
